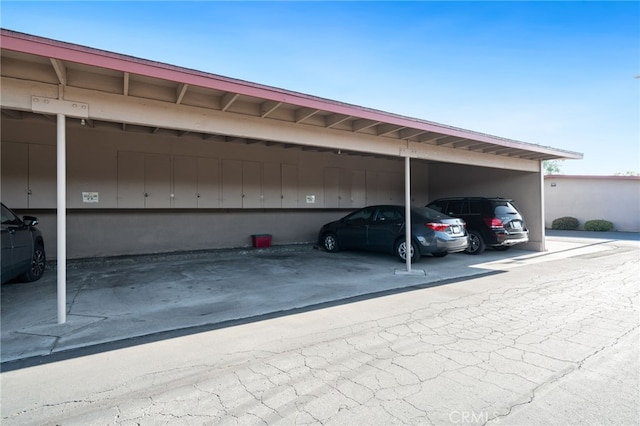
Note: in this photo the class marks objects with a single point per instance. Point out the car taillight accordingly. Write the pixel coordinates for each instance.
(440, 227)
(493, 222)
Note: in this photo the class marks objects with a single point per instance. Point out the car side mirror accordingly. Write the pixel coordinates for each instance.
(30, 220)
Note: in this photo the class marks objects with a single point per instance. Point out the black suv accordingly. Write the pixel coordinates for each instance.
(493, 222)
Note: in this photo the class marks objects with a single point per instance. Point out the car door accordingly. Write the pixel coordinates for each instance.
(385, 227)
(16, 244)
(353, 229)
(7, 249)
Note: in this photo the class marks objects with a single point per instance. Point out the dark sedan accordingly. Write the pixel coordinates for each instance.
(23, 254)
(382, 228)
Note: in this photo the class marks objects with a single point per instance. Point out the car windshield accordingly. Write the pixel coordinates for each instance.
(8, 218)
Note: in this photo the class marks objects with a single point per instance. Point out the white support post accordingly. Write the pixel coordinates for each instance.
(407, 209)
(62, 219)
(407, 219)
(543, 243)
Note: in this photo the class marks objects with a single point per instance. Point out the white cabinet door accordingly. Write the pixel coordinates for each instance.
(130, 179)
(289, 186)
(331, 187)
(358, 189)
(208, 183)
(185, 182)
(157, 181)
(15, 174)
(271, 186)
(42, 176)
(251, 185)
(231, 183)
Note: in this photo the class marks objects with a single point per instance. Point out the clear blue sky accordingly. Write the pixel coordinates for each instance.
(558, 74)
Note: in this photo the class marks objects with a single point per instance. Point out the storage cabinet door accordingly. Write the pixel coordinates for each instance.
(231, 183)
(344, 195)
(15, 174)
(331, 187)
(208, 183)
(42, 176)
(157, 181)
(289, 186)
(130, 179)
(358, 189)
(185, 182)
(251, 187)
(271, 186)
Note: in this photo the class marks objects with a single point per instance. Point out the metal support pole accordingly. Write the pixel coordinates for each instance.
(62, 220)
(543, 240)
(407, 209)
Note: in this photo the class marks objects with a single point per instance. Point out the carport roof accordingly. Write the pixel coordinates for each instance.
(28, 57)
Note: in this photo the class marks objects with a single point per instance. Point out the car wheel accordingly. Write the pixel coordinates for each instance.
(440, 254)
(476, 243)
(38, 263)
(401, 251)
(330, 243)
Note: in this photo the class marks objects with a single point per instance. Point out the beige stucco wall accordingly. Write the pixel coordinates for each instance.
(612, 198)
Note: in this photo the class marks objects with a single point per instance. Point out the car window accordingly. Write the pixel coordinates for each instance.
(475, 206)
(502, 208)
(438, 206)
(8, 218)
(455, 207)
(388, 214)
(361, 215)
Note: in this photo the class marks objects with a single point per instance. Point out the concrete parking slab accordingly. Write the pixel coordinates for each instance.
(116, 300)
(552, 342)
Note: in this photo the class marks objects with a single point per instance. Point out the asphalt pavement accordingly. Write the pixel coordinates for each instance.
(115, 302)
(511, 337)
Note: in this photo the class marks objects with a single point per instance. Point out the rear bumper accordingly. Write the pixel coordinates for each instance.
(450, 245)
(506, 239)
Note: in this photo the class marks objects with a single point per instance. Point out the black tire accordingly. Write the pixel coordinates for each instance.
(401, 250)
(330, 243)
(38, 263)
(476, 243)
(440, 254)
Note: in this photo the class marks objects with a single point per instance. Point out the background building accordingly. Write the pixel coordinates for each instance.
(612, 198)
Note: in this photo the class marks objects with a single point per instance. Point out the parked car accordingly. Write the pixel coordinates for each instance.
(493, 222)
(23, 254)
(382, 228)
